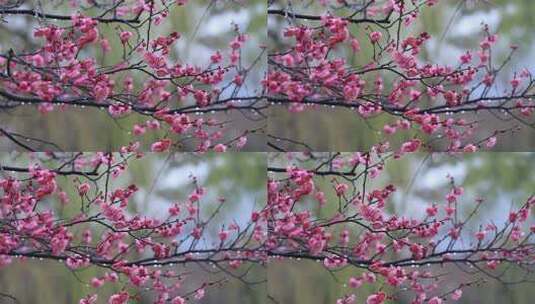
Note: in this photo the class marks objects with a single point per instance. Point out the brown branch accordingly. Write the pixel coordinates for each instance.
(63, 17)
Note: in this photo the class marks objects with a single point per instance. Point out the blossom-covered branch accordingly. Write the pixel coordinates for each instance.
(131, 70)
(366, 57)
(326, 207)
(103, 230)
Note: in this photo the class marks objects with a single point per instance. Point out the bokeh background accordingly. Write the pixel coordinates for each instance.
(455, 26)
